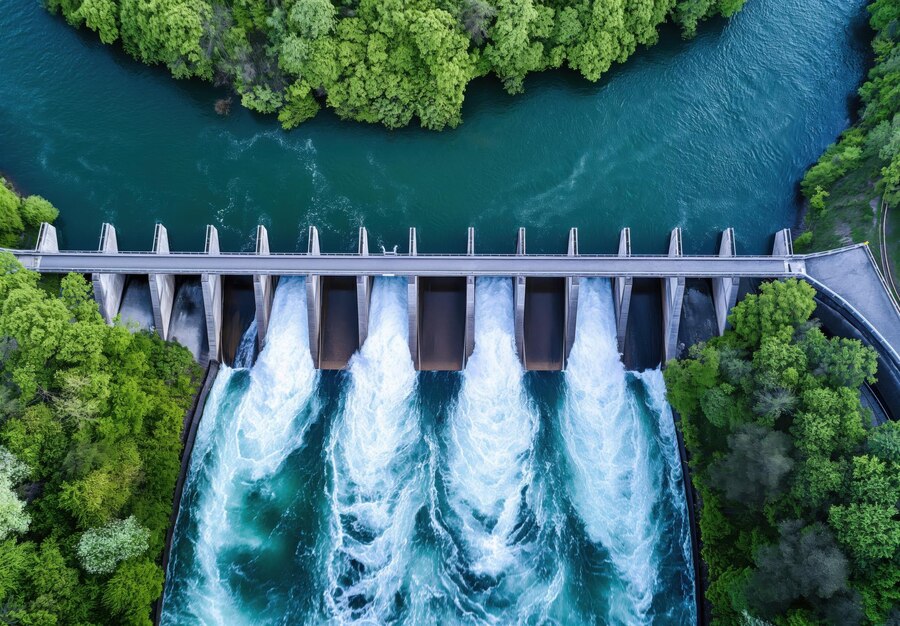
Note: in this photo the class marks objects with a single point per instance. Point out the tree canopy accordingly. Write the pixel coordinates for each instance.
(379, 61)
(90, 442)
(20, 216)
(799, 491)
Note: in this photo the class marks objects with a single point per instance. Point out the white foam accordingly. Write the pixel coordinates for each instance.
(615, 484)
(244, 441)
(378, 485)
(491, 437)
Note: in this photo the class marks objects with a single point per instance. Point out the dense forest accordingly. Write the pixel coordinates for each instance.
(844, 187)
(21, 216)
(90, 442)
(381, 61)
(799, 521)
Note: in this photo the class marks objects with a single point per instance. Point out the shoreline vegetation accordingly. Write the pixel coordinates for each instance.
(379, 61)
(799, 519)
(21, 217)
(91, 417)
(857, 176)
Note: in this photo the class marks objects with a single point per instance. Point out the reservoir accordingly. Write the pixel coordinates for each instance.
(702, 134)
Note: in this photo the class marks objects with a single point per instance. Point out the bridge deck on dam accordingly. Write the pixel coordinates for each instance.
(650, 266)
(443, 290)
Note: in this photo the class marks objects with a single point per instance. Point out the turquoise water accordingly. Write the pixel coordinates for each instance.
(380, 495)
(702, 134)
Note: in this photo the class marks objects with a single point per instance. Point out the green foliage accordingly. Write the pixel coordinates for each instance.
(13, 518)
(774, 312)
(865, 162)
(380, 61)
(18, 214)
(779, 444)
(11, 225)
(101, 17)
(100, 550)
(131, 590)
(96, 416)
(755, 467)
(35, 209)
(805, 563)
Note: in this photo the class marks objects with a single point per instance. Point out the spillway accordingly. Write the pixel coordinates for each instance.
(494, 516)
(624, 472)
(374, 452)
(357, 497)
(252, 422)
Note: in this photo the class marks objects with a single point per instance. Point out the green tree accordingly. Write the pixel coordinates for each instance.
(131, 590)
(869, 531)
(35, 209)
(756, 466)
(884, 442)
(10, 220)
(13, 518)
(100, 550)
(774, 312)
(805, 563)
(101, 16)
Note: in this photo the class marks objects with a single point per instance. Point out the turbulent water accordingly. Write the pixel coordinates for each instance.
(353, 498)
(624, 467)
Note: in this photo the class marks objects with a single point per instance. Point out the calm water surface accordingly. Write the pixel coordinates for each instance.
(703, 134)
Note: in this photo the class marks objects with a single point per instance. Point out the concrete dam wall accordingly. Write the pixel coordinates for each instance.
(663, 303)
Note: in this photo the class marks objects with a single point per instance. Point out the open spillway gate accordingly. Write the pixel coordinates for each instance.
(195, 296)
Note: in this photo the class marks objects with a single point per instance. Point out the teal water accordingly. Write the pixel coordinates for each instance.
(702, 134)
(383, 496)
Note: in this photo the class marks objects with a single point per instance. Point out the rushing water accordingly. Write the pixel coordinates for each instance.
(703, 134)
(350, 498)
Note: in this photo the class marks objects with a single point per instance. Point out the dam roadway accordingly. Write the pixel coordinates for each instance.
(532, 265)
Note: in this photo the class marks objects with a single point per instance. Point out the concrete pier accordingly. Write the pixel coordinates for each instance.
(332, 307)
(313, 297)
(725, 289)
(470, 299)
(108, 288)
(572, 285)
(211, 285)
(622, 288)
(412, 303)
(263, 290)
(784, 243)
(519, 299)
(363, 289)
(673, 294)
(46, 241)
(162, 286)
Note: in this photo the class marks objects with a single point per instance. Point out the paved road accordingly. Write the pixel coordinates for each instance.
(424, 265)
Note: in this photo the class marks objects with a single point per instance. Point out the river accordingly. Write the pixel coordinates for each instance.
(702, 134)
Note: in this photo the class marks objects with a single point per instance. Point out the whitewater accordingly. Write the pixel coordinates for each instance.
(514, 498)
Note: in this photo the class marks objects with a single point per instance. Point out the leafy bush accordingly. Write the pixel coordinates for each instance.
(102, 549)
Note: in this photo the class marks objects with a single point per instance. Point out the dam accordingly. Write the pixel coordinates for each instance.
(441, 302)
